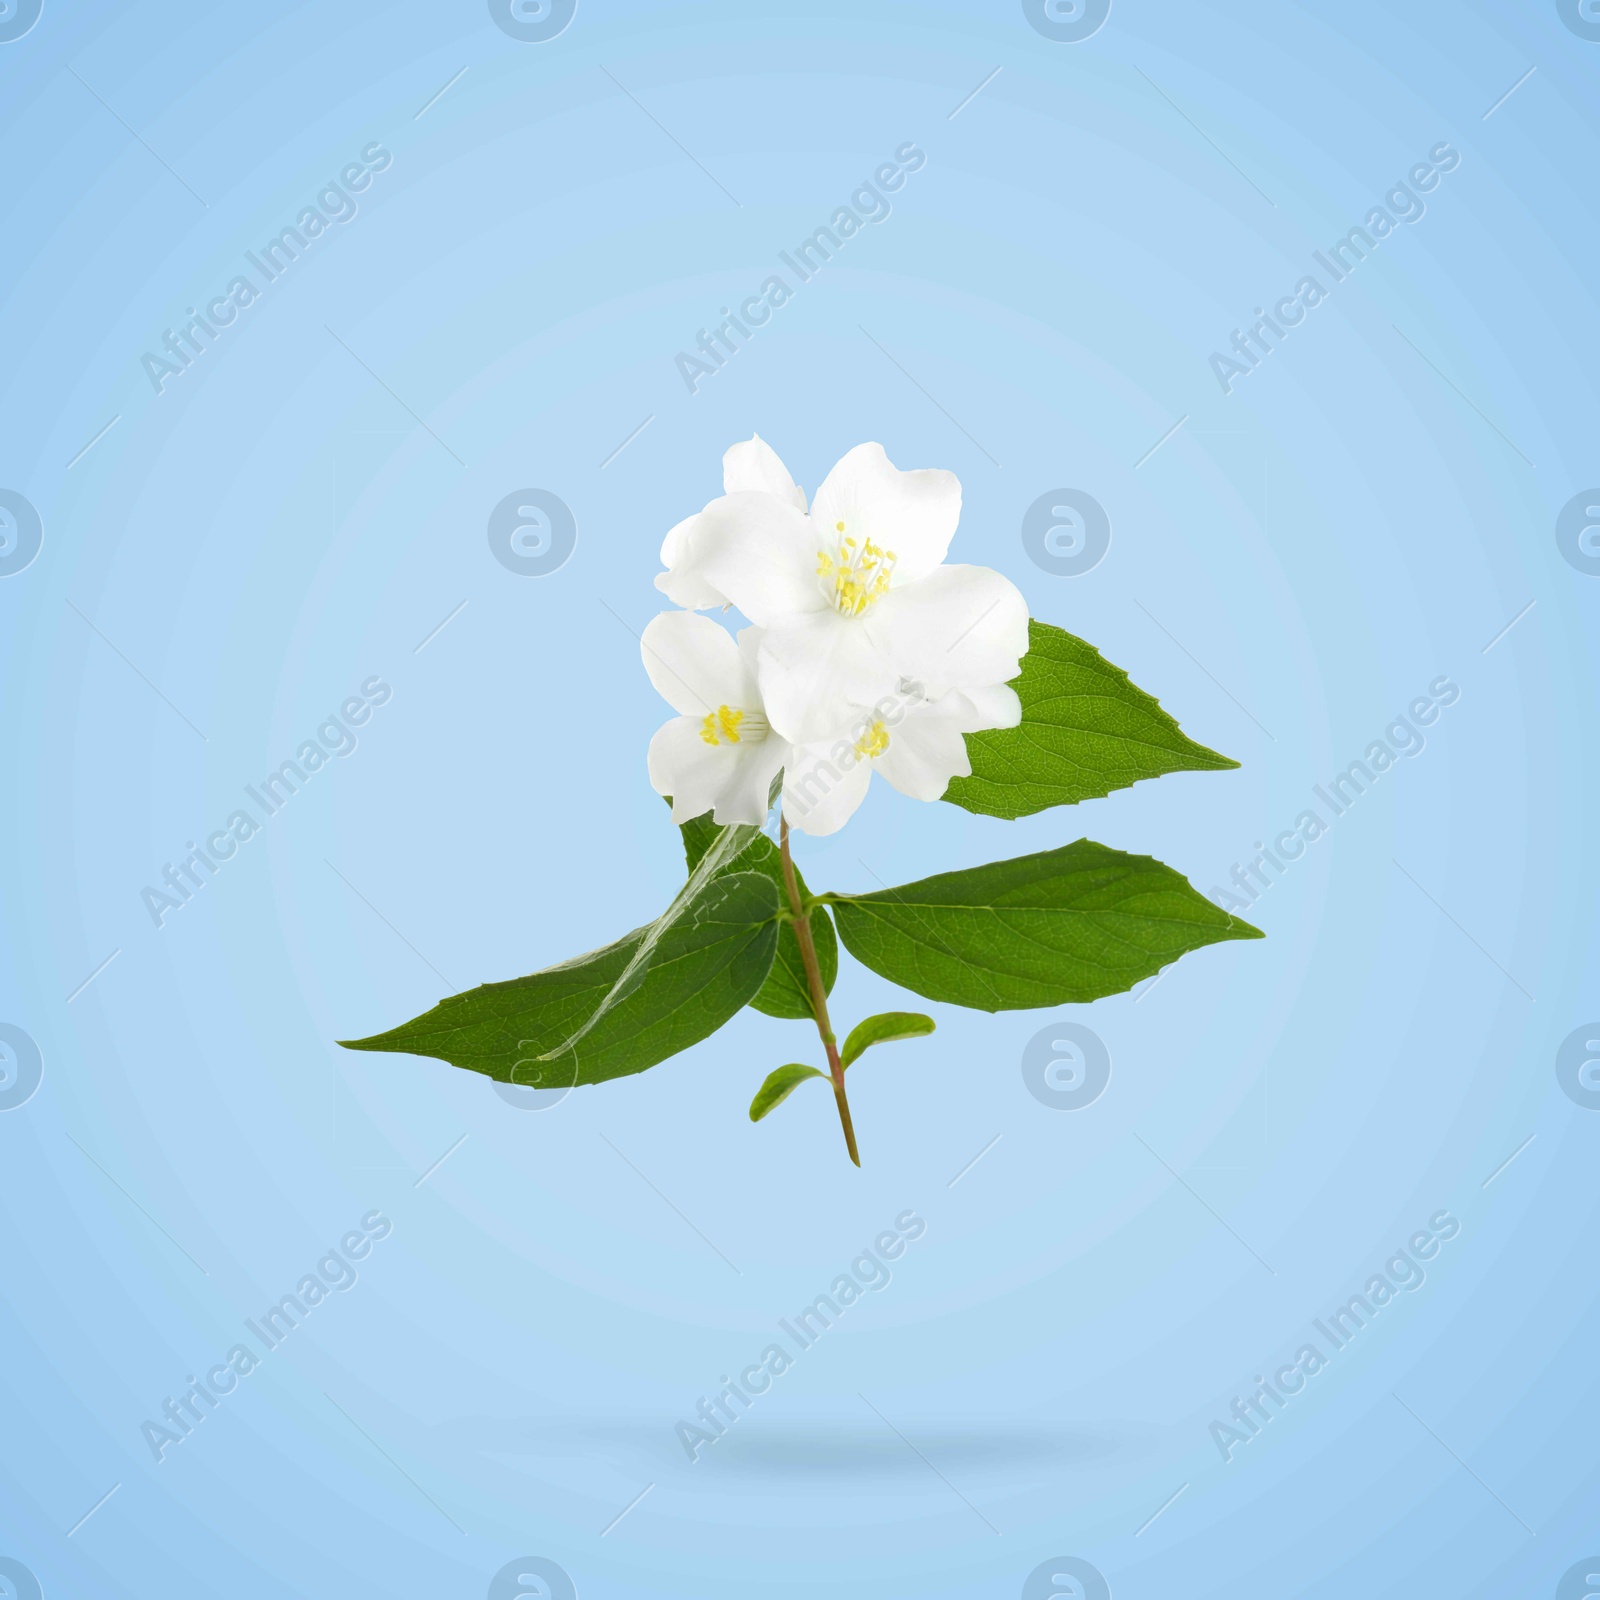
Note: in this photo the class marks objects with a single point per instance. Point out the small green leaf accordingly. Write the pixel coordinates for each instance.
(780, 1084)
(1066, 925)
(706, 967)
(1085, 731)
(884, 1029)
(785, 993)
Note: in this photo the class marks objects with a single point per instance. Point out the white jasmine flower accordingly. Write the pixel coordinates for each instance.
(851, 598)
(719, 753)
(913, 742)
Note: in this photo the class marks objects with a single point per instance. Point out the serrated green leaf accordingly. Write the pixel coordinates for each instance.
(1085, 731)
(706, 967)
(780, 1084)
(785, 993)
(884, 1028)
(1065, 925)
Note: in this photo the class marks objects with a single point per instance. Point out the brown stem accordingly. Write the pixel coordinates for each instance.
(819, 997)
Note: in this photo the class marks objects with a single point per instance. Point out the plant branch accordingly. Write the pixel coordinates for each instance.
(819, 996)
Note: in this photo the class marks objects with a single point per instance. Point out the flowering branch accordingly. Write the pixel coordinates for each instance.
(866, 653)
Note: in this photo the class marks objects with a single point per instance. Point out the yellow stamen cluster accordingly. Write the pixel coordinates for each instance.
(858, 576)
(873, 742)
(721, 726)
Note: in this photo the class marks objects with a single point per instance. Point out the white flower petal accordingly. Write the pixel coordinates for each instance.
(676, 543)
(958, 628)
(684, 766)
(976, 710)
(753, 465)
(912, 513)
(925, 752)
(748, 782)
(822, 786)
(683, 583)
(750, 550)
(693, 663)
(814, 668)
(732, 781)
(749, 642)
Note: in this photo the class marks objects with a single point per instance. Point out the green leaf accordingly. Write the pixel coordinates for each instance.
(722, 847)
(785, 993)
(1085, 731)
(705, 968)
(780, 1084)
(1066, 925)
(884, 1029)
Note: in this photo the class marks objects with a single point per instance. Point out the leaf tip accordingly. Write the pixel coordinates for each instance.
(394, 1041)
(778, 1085)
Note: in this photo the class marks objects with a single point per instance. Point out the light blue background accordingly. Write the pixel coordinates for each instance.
(1288, 570)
